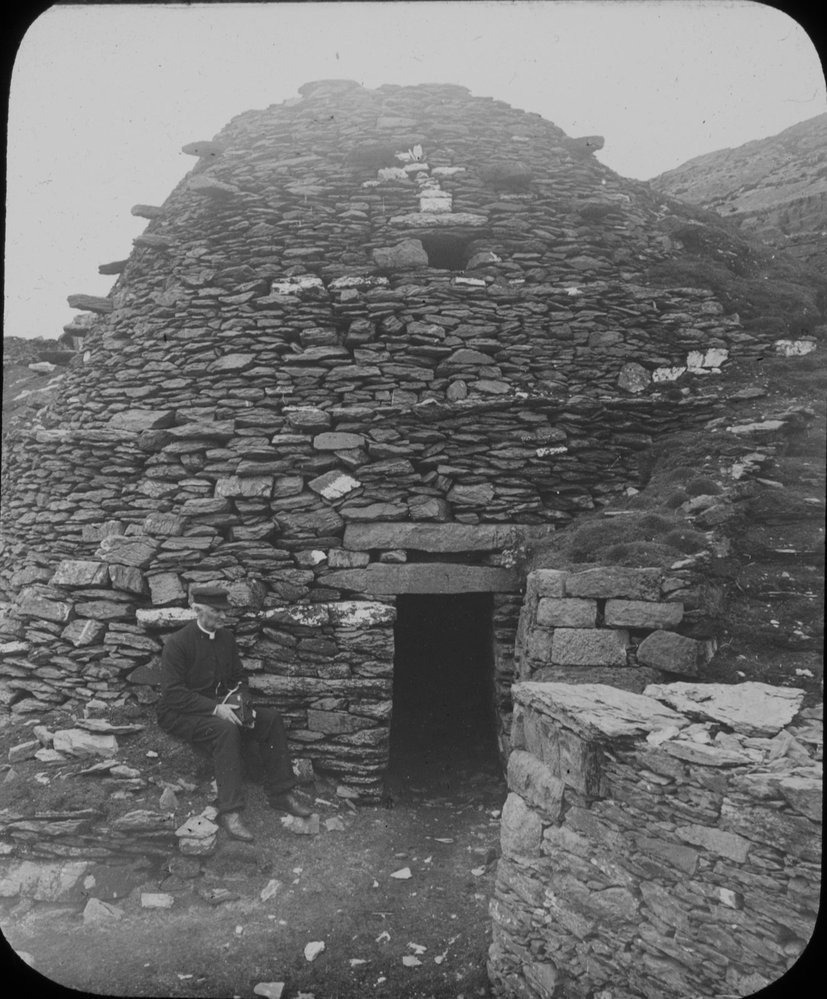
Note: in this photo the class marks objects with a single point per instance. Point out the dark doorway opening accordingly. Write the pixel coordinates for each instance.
(444, 725)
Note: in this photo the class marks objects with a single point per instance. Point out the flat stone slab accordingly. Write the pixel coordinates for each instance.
(332, 441)
(46, 881)
(627, 678)
(439, 537)
(615, 581)
(589, 647)
(139, 420)
(33, 604)
(751, 708)
(425, 577)
(78, 742)
(643, 614)
(598, 710)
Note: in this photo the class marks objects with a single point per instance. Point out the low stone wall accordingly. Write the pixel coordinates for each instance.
(608, 624)
(659, 845)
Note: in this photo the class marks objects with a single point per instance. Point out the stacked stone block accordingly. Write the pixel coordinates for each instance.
(658, 845)
(606, 624)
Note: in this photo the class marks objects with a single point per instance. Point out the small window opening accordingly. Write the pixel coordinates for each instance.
(447, 251)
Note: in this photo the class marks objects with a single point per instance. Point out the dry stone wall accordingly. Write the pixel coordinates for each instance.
(658, 845)
(361, 311)
(609, 624)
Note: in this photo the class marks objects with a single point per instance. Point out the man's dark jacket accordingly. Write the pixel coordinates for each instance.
(193, 665)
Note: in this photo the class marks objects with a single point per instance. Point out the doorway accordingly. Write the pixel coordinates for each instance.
(443, 722)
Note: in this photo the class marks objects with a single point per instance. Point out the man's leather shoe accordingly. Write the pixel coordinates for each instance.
(235, 827)
(290, 803)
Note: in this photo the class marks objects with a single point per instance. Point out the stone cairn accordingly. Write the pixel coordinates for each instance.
(375, 342)
(664, 844)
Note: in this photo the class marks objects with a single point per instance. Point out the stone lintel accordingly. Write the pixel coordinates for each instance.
(426, 577)
(439, 537)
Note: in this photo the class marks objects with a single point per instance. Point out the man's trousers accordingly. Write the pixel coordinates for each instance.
(222, 742)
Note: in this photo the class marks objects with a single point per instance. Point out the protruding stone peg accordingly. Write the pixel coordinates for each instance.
(116, 267)
(146, 211)
(204, 148)
(90, 303)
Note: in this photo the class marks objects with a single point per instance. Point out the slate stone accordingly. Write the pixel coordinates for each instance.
(334, 722)
(31, 604)
(139, 420)
(166, 588)
(725, 844)
(597, 710)
(120, 550)
(127, 578)
(752, 708)
(80, 573)
(83, 631)
(77, 742)
(536, 784)
(337, 441)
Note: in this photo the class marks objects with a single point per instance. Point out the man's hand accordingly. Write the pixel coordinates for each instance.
(226, 712)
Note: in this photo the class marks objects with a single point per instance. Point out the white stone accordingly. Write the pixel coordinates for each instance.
(156, 900)
(361, 613)
(667, 374)
(197, 827)
(270, 990)
(292, 285)
(99, 913)
(702, 362)
(447, 171)
(426, 220)
(435, 201)
(789, 348)
(334, 485)
(306, 615)
(391, 173)
(78, 742)
(313, 949)
(358, 281)
(161, 616)
(751, 708)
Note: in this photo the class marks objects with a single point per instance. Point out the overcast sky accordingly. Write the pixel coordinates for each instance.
(103, 98)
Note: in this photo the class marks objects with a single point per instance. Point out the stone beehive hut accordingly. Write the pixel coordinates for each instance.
(375, 343)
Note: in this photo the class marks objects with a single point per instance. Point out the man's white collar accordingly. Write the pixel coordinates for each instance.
(211, 634)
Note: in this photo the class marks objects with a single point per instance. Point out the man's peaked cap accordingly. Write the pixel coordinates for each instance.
(211, 596)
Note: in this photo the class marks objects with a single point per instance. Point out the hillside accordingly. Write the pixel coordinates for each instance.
(774, 189)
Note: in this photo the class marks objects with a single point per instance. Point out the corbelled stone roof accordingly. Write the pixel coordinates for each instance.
(360, 308)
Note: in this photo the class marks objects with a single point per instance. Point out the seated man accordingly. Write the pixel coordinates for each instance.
(200, 666)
